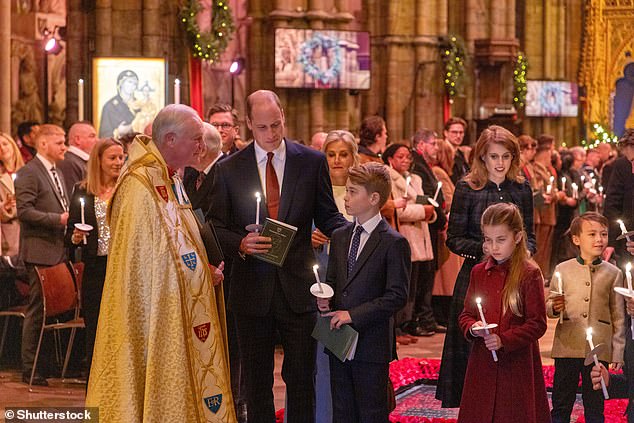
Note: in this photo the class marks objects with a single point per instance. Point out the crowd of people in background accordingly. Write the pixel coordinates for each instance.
(441, 189)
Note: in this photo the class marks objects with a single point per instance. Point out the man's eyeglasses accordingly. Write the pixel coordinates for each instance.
(222, 125)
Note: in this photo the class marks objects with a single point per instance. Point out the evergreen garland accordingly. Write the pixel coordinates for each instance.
(519, 81)
(208, 45)
(453, 55)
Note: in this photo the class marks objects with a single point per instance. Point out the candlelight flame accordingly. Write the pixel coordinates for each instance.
(315, 267)
(628, 267)
(479, 300)
(81, 200)
(439, 184)
(557, 275)
(257, 195)
(589, 331)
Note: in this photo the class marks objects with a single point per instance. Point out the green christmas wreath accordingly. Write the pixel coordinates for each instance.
(208, 45)
(453, 54)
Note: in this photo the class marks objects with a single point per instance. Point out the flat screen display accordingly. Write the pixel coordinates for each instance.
(322, 59)
(551, 98)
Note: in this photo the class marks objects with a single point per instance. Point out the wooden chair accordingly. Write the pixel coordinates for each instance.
(60, 296)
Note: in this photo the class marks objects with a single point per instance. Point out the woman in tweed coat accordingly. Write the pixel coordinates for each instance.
(495, 177)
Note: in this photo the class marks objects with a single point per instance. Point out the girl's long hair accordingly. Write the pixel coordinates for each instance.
(509, 214)
(479, 175)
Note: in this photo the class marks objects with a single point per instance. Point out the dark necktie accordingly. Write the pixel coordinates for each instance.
(272, 188)
(58, 185)
(354, 248)
(199, 180)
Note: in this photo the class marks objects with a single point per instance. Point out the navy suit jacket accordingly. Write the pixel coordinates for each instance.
(375, 290)
(306, 195)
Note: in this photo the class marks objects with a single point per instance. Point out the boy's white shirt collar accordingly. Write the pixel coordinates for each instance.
(370, 225)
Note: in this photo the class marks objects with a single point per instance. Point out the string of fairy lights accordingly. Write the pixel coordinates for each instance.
(453, 55)
(208, 45)
(519, 81)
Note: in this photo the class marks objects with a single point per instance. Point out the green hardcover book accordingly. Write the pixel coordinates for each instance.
(281, 235)
(341, 342)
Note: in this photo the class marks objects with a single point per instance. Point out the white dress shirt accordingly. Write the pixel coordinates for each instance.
(368, 227)
(79, 153)
(279, 161)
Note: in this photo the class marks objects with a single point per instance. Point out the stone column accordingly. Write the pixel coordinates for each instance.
(5, 69)
(104, 29)
(152, 43)
(78, 65)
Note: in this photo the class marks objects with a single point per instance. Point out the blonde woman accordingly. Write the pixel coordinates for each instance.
(103, 169)
(10, 162)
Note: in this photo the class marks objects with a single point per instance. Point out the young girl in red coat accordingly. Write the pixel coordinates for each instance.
(511, 289)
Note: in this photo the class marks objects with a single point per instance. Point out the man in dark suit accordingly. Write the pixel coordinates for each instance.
(42, 203)
(424, 152)
(369, 269)
(81, 139)
(265, 298)
(198, 181)
(225, 119)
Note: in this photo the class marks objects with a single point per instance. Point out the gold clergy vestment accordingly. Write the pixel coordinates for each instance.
(161, 351)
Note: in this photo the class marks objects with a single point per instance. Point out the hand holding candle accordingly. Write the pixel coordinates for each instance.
(575, 191)
(596, 361)
(484, 322)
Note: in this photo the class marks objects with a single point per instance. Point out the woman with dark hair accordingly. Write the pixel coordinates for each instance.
(417, 317)
(103, 169)
(563, 249)
(495, 177)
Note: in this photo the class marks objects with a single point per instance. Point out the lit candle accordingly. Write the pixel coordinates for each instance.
(177, 91)
(594, 183)
(575, 190)
(563, 183)
(321, 289)
(583, 178)
(552, 180)
(80, 100)
(408, 180)
(437, 190)
(596, 361)
(600, 190)
(484, 322)
(83, 221)
(623, 229)
(258, 198)
(561, 292)
(83, 205)
(549, 188)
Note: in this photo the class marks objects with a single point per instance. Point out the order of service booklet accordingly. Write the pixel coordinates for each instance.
(281, 235)
(341, 342)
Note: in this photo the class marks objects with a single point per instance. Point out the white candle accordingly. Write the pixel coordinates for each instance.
(561, 292)
(408, 180)
(437, 190)
(596, 361)
(583, 178)
(552, 180)
(594, 183)
(484, 322)
(83, 204)
(600, 190)
(177, 91)
(563, 183)
(622, 225)
(258, 198)
(83, 221)
(315, 267)
(80, 100)
(549, 189)
(575, 190)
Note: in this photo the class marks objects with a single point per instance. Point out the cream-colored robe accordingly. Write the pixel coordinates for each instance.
(161, 352)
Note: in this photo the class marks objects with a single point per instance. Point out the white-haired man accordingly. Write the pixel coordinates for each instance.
(198, 179)
(160, 351)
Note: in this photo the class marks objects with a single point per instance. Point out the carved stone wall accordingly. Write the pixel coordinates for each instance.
(609, 34)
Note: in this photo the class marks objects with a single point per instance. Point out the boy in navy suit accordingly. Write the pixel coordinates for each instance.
(369, 270)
